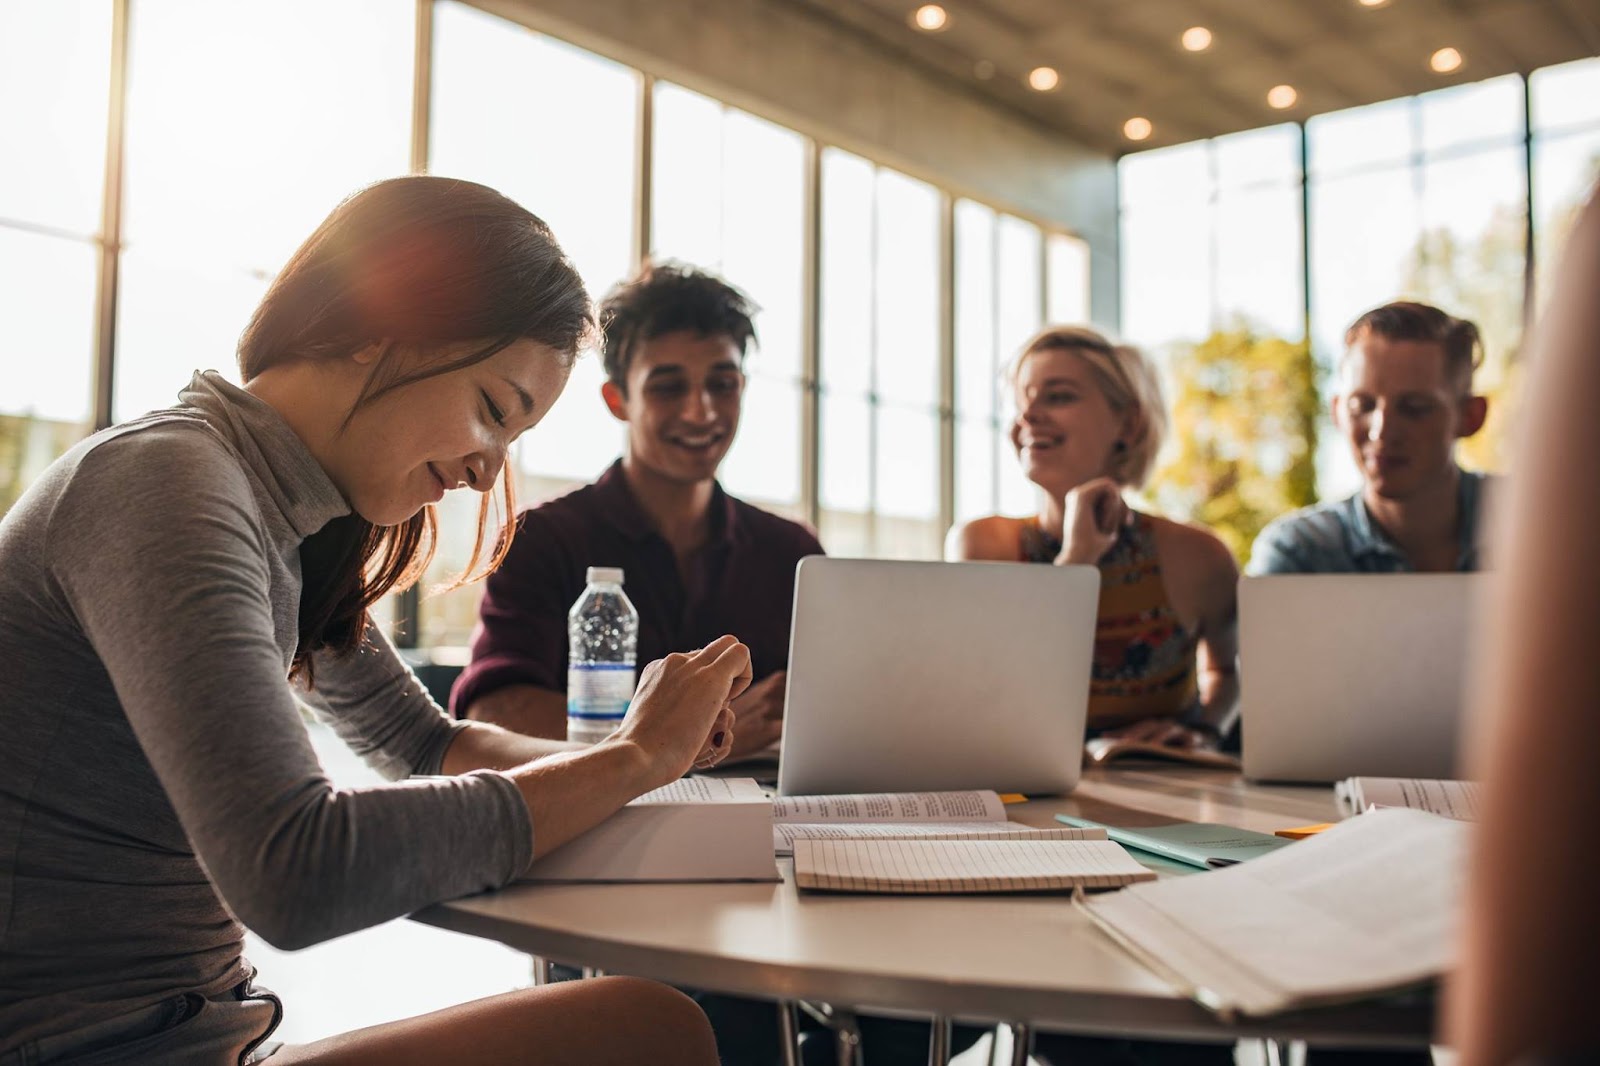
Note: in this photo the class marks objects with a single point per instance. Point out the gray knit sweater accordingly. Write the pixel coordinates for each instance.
(157, 786)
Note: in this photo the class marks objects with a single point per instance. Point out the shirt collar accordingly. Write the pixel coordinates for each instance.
(621, 508)
(1367, 538)
(274, 453)
(1467, 500)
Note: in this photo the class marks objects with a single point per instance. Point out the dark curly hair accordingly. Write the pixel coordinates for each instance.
(668, 298)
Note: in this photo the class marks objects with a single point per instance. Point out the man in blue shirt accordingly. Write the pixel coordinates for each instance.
(1405, 397)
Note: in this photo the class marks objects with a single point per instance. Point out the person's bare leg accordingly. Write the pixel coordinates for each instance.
(605, 1020)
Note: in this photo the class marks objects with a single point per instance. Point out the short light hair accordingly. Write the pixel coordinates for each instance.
(1127, 380)
(1408, 320)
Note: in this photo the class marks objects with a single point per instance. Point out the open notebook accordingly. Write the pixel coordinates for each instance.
(1369, 906)
(941, 866)
(972, 814)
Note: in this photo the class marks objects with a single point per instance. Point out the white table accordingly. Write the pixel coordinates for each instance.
(1030, 961)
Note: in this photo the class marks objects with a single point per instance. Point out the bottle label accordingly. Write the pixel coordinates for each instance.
(599, 692)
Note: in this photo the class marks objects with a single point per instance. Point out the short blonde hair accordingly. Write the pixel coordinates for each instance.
(1126, 379)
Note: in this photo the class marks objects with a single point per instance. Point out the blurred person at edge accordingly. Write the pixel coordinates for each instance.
(1525, 989)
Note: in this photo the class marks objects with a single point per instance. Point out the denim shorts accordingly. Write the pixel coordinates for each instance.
(188, 1029)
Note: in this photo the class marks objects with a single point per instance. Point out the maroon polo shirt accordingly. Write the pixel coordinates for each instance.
(741, 582)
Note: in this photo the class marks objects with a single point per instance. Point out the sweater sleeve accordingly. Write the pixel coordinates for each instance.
(159, 550)
(379, 709)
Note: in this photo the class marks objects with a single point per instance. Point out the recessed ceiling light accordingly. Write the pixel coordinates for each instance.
(930, 17)
(1445, 60)
(1372, 3)
(983, 70)
(1197, 38)
(1282, 96)
(1137, 129)
(1043, 79)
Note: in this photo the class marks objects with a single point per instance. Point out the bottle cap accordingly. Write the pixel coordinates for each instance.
(604, 575)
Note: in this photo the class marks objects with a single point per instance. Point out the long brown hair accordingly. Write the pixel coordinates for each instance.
(416, 263)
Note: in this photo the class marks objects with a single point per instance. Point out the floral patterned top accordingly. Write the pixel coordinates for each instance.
(1144, 658)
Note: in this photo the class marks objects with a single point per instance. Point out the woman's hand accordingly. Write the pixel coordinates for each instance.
(1166, 732)
(1094, 514)
(680, 718)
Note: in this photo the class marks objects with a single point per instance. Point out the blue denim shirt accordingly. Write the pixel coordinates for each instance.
(1342, 538)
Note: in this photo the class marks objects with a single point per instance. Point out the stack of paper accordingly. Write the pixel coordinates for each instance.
(696, 829)
(1369, 906)
(1453, 799)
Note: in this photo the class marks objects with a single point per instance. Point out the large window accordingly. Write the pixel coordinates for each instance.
(230, 163)
(50, 208)
(1425, 198)
(1000, 302)
(1211, 236)
(728, 195)
(879, 360)
(1212, 269)
(227, 162)
(552, 127)
(1565, 102)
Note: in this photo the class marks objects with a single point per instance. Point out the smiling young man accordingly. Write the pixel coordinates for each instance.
(1405, 398)
(698, 562)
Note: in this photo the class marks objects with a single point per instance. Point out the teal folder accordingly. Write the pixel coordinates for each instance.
(1201, 844)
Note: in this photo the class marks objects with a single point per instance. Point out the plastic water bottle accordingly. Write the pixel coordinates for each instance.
(603, 644)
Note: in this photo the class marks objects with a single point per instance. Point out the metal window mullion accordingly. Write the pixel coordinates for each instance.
(1044, 277)
(644, 172)
(872, 369)
(1118, 300)
(1417, 161)
(997, 360)
(810, 337)
(947, 364)
(108, 280)
(1213, 226)
(406, 630)
(1529, 266)
(1305, 236)
(422, 86)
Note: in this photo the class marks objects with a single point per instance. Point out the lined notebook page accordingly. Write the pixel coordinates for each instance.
(930, 866)
(784, 834)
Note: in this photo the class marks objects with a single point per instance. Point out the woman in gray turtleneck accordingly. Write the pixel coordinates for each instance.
(172, 586)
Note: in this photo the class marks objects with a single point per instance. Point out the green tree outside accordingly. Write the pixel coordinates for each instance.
(1482, 280)
(1244, 408)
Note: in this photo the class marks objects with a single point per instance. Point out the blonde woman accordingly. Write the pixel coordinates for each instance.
(1089, 423)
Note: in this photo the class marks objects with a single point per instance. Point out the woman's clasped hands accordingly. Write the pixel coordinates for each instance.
(680, 718)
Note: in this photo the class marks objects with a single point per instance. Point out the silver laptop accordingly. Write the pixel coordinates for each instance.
(907, 676)
(1353, 675)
